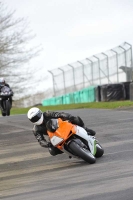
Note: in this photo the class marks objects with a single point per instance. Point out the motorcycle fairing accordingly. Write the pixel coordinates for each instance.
(56, 140)
(63, 130)
(90, 139)
(82, 133)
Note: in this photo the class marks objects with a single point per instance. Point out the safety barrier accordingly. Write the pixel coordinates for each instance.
(131, 91)
(81, 96)
(107, 92)
(114, 92)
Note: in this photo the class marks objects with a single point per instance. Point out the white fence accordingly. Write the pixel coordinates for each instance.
(112, 66)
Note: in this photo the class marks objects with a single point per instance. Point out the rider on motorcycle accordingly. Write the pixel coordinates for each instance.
(2, 84)
(39, 119)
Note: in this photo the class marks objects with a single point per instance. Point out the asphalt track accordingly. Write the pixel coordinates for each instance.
(29, 172)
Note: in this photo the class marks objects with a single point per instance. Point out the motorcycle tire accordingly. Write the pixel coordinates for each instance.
(99, 151)
(82, 152)
(8, 107)
(3, 113)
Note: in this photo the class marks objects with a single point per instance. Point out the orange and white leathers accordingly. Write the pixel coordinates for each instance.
(64, 131)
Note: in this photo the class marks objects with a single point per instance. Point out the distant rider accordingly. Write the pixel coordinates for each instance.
(2, 84)
(39, 119)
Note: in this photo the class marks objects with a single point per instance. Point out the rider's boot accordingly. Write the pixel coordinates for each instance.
(54, 150)
(90, 131)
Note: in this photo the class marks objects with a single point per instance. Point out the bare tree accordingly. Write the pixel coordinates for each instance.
(15, 37)
(15, 45)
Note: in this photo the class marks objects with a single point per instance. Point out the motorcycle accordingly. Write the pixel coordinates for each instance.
(5, 100)
(73, 140)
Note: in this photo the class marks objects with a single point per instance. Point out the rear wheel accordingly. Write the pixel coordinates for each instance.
(82, 152)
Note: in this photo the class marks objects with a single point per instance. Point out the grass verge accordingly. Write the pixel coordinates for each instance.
(97, 105)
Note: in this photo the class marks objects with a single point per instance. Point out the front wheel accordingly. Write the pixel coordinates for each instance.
(8, 107)
(99, 151)
(82, 152)
(3, 113)
(3, 108)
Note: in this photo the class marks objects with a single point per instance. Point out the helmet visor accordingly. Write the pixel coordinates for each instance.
(36, 118)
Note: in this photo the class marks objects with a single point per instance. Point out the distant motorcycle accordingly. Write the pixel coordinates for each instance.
(74, 140)
(5, 103)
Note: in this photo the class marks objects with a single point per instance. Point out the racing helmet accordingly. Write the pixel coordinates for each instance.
(2, 82)
(35, 115)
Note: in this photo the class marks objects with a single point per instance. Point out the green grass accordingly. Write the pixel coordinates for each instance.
(98, 105)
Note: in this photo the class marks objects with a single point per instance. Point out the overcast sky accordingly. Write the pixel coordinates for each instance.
(71, 30)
